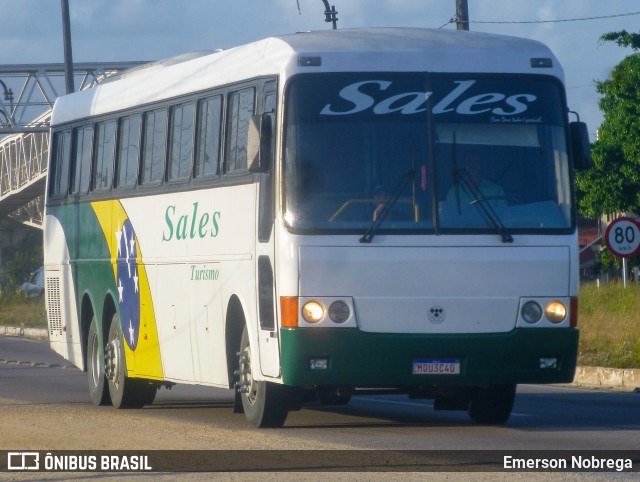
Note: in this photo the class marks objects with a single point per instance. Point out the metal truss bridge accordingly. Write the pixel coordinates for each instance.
(27, 95)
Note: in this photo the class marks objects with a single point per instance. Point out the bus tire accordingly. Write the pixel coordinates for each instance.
(265, 404)
(98, 390)
(493, 404)
(125, 392)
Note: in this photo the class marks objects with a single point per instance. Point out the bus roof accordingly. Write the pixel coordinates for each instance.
(367, 49)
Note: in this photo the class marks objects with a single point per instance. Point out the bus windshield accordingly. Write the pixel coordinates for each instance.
(455, 153)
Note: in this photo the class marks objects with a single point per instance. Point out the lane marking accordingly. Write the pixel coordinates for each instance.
(34, 364)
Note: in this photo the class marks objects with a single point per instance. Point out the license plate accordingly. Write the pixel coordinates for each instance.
(439, 366)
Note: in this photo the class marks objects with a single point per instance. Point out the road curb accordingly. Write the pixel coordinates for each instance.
(39, 333)
(627, 379)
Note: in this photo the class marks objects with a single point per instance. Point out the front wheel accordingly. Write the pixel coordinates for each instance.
(493, 404)
(265, 404)
(125, 392)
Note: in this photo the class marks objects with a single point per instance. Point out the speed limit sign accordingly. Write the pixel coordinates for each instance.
(623, 237)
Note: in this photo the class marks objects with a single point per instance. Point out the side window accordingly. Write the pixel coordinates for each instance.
(83, 137)
(154, 146)
(61, 163)
(209, 124)
(181, 143)
(128, 150)
(104, 153)
(270, 99)
(241, 108)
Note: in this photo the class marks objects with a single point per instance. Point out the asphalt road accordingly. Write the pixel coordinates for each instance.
(45, 406)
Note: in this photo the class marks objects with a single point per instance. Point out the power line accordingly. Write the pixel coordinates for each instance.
(454, 20)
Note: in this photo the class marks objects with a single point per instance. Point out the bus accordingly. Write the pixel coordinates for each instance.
(301, 219)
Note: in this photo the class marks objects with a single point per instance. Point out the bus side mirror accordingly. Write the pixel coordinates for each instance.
(259, 145)
(580, 146)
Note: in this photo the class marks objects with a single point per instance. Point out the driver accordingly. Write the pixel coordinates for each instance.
(475, 170)
(380, 197)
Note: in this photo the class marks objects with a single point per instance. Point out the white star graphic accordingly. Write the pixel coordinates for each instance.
(131, 332)
(120, 289)
(135, 280)
(126, 247)
(118, 239)
(132, 244)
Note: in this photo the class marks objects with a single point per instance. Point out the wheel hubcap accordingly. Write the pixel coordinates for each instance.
(247, 385)
(112, 362)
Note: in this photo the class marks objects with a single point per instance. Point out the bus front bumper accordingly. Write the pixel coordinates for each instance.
(344, 356)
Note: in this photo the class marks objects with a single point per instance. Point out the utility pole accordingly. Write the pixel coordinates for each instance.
(68, 56)
(462, 15)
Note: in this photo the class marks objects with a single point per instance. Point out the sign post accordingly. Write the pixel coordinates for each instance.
(623, 240)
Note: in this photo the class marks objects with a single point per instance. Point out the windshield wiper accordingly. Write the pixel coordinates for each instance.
(480, 201)
(482, 204)
(386, 208)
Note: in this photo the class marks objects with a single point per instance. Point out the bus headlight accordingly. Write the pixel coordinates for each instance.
(556, 312)
(312, 312)
(531, 312)
(339, 312)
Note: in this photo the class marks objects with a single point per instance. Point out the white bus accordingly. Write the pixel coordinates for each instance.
(319, 215)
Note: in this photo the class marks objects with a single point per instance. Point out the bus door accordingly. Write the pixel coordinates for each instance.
(267, 327)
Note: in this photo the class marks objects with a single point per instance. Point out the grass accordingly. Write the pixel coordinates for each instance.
(15, 310)
(609, 322)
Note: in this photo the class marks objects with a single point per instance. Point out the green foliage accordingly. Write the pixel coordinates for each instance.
(607, 262)
(613, 184)
(27, 258)
(623, 39)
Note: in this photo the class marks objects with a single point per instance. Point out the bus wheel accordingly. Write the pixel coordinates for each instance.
(493, 404)
(125, 392)
(265, 404)
(95, 366)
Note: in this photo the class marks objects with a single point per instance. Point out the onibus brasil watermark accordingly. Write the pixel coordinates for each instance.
(35, 461)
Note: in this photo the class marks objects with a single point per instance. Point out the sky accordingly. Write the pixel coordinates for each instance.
(122, 30)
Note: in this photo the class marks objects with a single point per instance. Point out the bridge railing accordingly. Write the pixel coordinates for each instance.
(23, 158)
(29, 92)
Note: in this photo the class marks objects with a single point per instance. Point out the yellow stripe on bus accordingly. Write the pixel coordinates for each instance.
(145, 361)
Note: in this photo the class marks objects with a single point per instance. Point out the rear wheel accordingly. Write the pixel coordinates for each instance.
(265, 404)
(125, 392)
(493, 404)
(98, 390)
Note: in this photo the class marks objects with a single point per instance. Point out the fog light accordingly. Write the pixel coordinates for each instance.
(531, 312)
(556, 312)
(548, 363)
(312, 312)
(339, 312)
(318, 363)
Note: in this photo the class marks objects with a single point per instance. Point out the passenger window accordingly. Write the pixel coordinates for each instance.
(181, 145)
(154, 146)
(82, 159)
(241, 108)
(62, 163)
(105, 150)
(209, 123)
(270, 102)
(128, 150)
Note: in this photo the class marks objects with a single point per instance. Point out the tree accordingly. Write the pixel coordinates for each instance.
(613, 184)
(26, 259)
